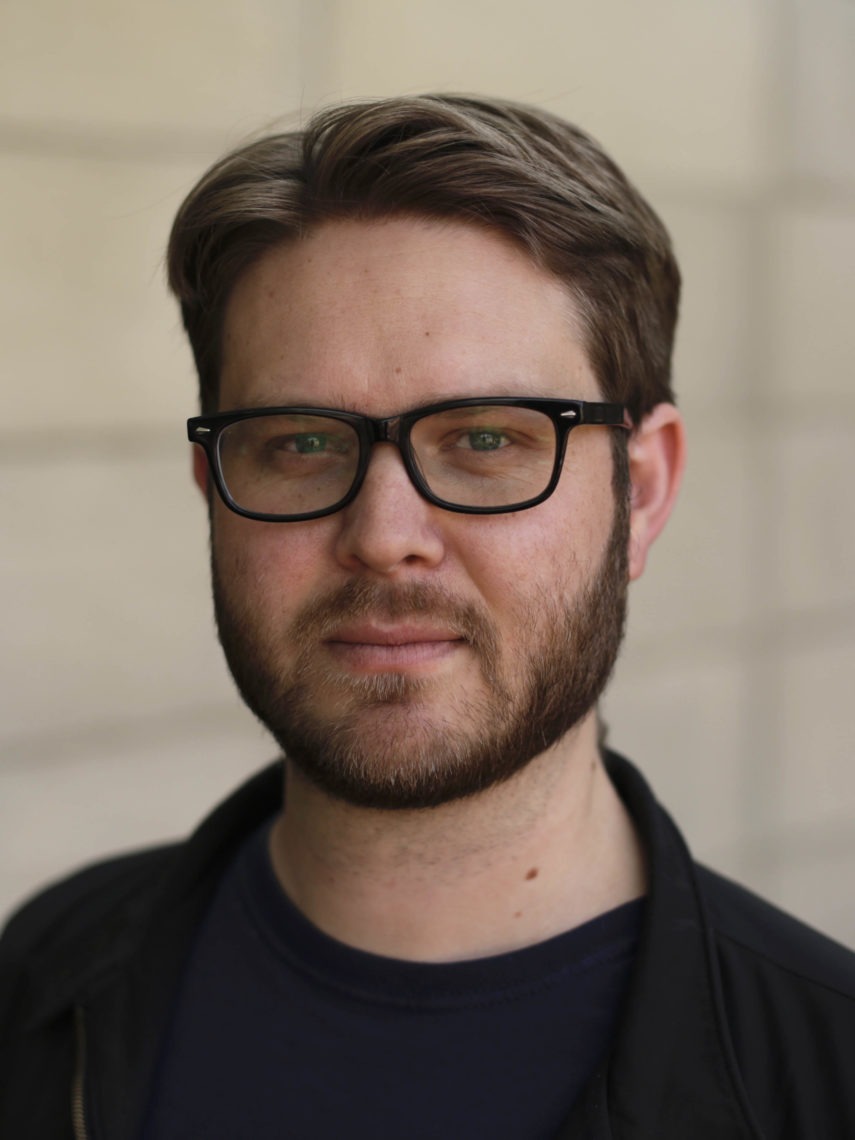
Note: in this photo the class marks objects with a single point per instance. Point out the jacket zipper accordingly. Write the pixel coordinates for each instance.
(78, 1113)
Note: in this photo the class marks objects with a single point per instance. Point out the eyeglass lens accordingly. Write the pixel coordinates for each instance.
(491, 455)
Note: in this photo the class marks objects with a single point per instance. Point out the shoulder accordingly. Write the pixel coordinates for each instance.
(58, 929)
(788, 996)
(91, 918)
(70, 904)
(749, 929)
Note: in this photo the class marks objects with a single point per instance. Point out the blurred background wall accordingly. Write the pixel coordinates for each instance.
(119, 724)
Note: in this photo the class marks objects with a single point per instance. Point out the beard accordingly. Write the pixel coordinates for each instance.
(388, 745)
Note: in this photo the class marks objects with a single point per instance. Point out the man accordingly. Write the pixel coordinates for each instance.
(438, 438)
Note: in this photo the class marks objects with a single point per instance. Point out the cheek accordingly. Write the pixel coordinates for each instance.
(515, 562)
(551, 550)
(274, 566)
(585, 495)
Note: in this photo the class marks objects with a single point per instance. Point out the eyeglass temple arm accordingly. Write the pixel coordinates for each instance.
(609, 415)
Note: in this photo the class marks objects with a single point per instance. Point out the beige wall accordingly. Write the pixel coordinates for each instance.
(736, 688)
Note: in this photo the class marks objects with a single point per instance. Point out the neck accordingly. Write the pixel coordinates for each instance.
(533, 857)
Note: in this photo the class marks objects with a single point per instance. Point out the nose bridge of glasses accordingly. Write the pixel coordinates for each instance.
(386, 430)
(393, 429)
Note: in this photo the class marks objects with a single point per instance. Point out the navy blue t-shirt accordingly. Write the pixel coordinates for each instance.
(281, 1031)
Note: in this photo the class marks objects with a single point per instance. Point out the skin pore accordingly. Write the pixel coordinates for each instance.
(381, 317)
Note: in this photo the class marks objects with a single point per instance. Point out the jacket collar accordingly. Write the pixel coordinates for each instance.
(671, 1072)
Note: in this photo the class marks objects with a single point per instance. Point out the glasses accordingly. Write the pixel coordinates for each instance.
(474, 456)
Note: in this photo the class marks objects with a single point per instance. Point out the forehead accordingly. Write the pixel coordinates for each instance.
(383, 315)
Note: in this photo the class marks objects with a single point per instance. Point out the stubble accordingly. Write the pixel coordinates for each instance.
(390, 744)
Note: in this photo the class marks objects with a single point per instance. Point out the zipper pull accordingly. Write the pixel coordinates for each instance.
(78, 1113)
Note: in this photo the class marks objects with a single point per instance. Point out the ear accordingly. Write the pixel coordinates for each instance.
(657, 457)
(201, 471)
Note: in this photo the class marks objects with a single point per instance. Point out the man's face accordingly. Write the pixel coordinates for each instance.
(401, 654)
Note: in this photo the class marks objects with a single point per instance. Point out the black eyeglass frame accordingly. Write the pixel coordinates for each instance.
(565, 415)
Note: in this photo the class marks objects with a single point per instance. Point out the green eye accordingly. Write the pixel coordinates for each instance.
(306, 444)
(486, 440)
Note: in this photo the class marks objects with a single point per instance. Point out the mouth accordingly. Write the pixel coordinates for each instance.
(374, 647)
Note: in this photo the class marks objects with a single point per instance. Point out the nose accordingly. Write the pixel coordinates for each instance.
(389, 525)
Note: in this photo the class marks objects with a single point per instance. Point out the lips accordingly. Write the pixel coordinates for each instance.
(372, 633)
(374, 647)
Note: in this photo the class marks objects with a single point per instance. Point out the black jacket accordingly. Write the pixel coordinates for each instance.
(740, 1023)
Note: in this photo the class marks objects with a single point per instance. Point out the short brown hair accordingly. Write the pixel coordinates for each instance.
(518, 170)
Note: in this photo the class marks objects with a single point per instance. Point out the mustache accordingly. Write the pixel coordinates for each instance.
(365, 599)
